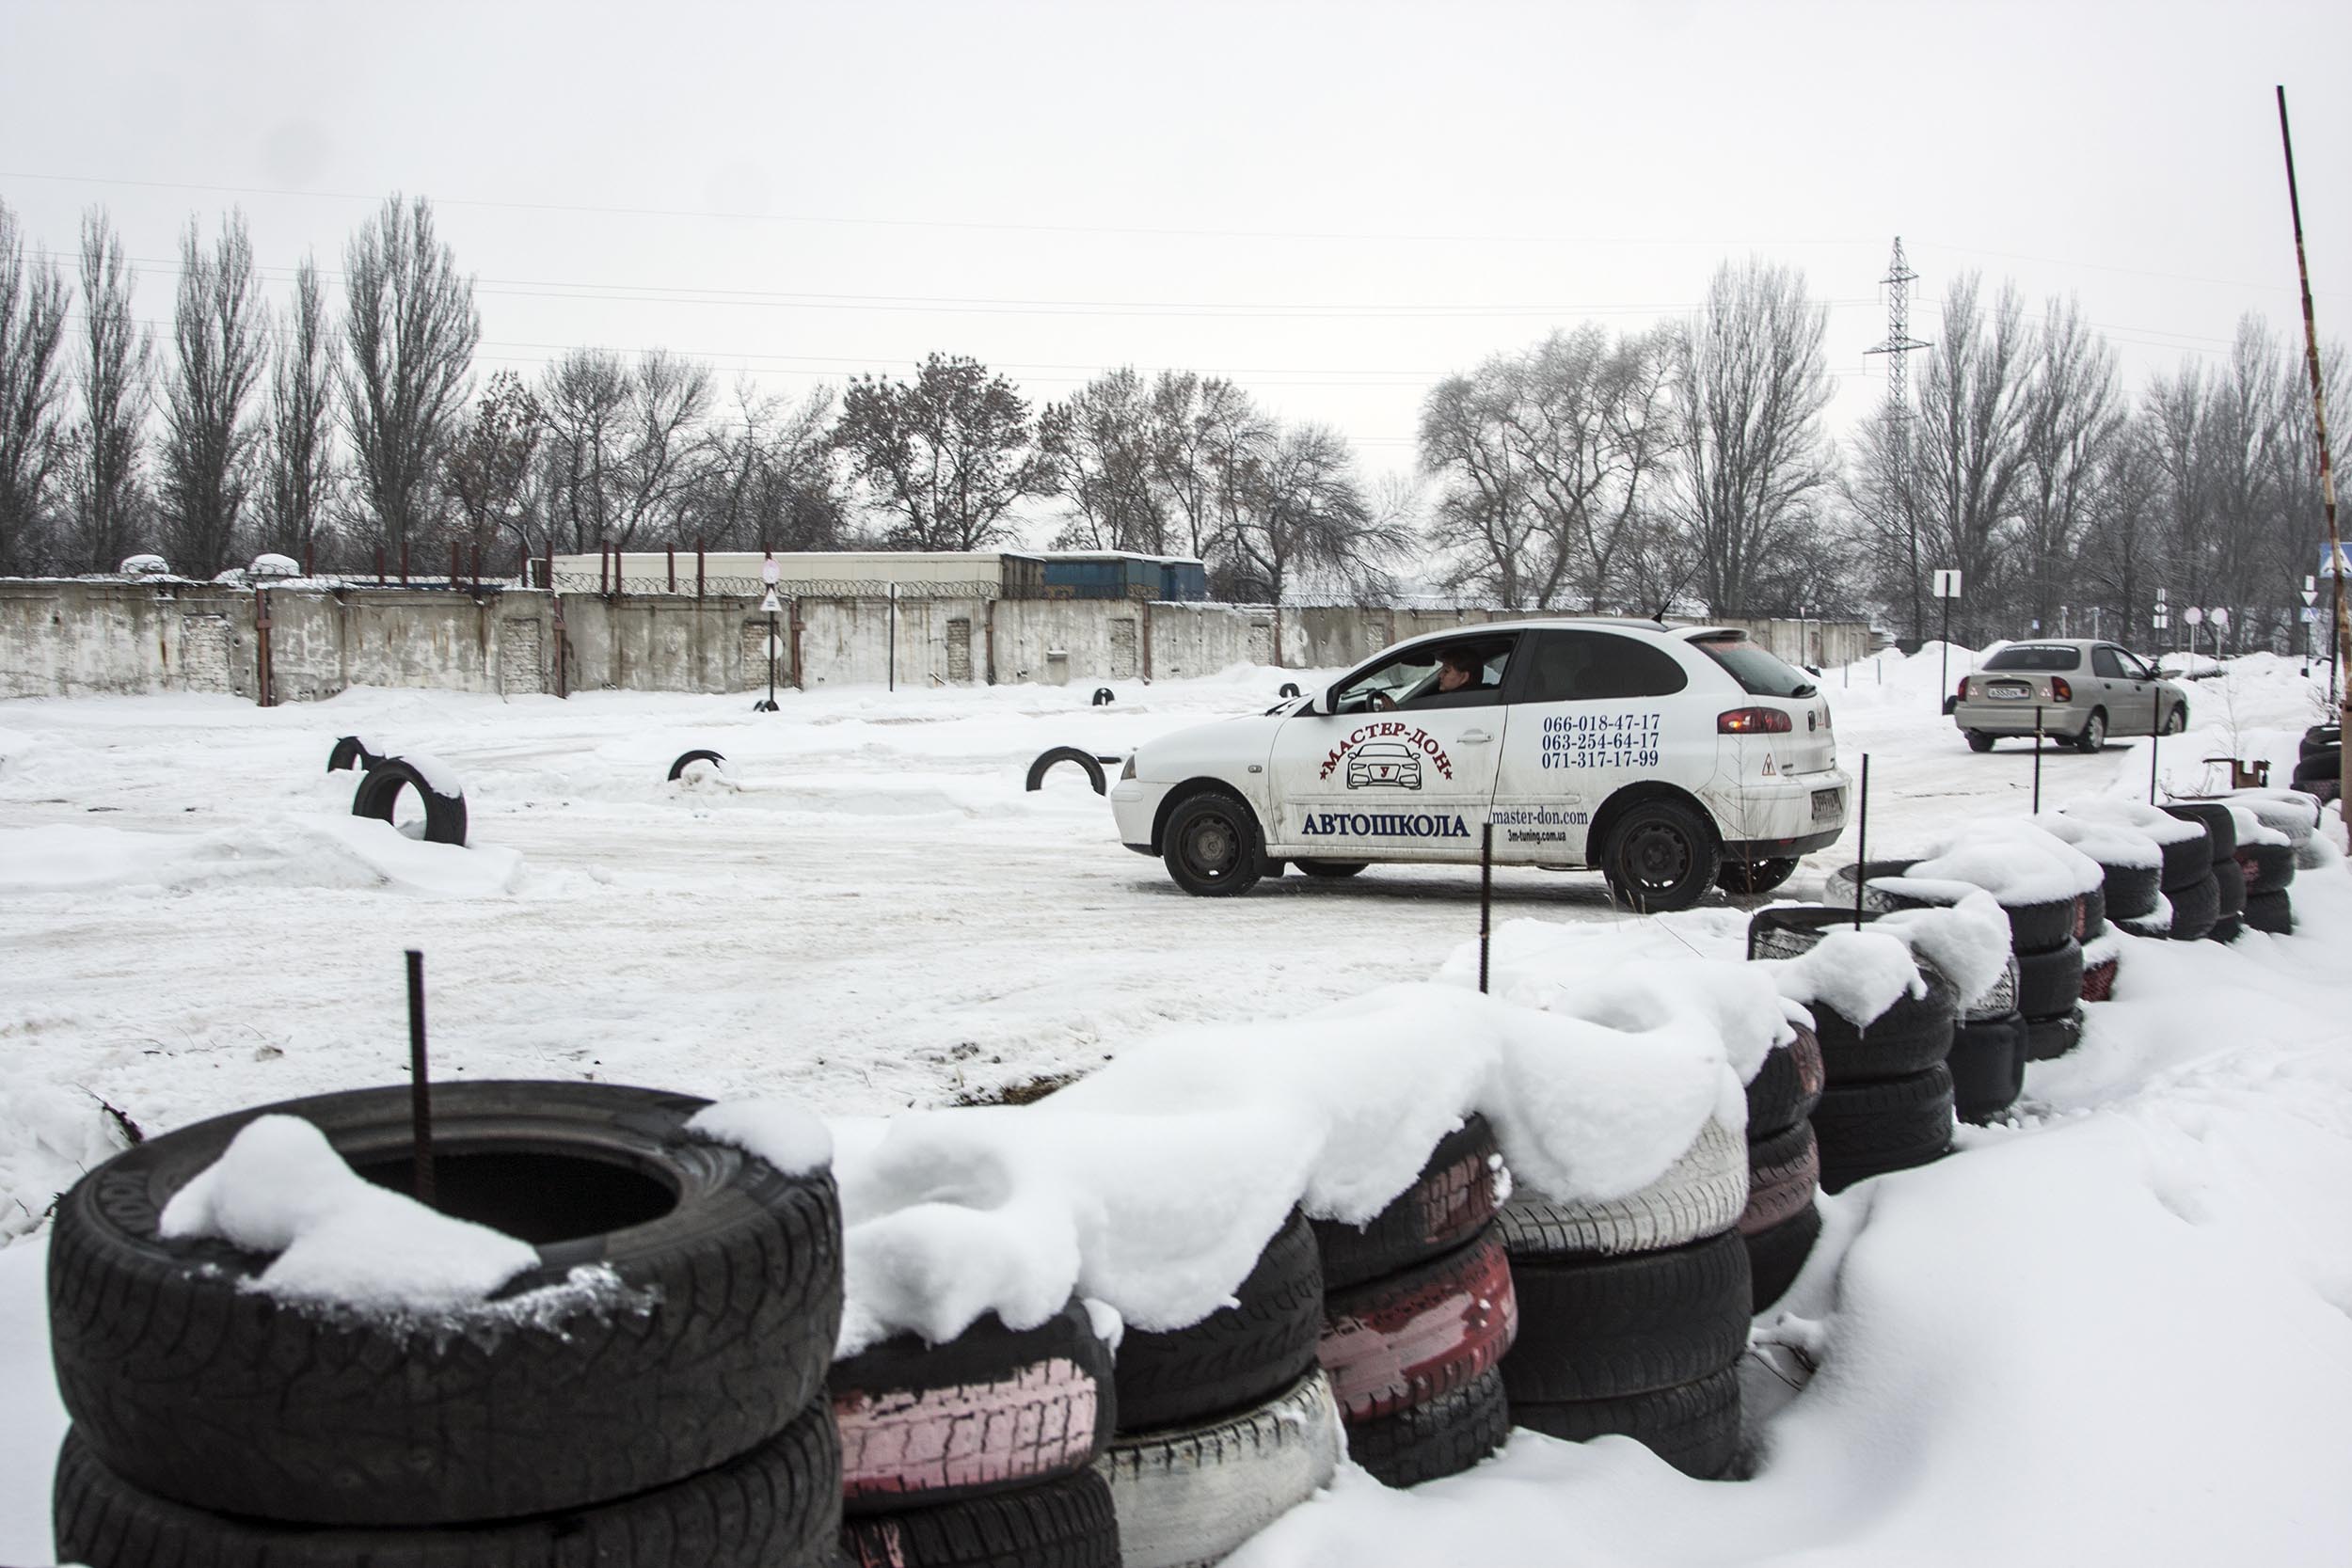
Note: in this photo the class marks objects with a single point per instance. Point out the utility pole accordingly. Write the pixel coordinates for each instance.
(2319, 414)
(1899, 343)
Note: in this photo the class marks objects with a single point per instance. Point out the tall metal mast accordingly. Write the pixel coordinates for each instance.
(1899, 343)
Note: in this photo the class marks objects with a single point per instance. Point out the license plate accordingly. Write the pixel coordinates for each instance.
(2010, 693)
(1825, 803)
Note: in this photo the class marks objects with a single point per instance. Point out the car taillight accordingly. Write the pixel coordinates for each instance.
(2059, 691)
(1961, 695)
(1752, 720)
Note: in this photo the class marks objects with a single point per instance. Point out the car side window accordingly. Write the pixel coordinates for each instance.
(1416, 678)
(2104, 663)
(2134, 668)
(1597, 666)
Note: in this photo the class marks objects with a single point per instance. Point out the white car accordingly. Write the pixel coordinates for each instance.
(1667, 758)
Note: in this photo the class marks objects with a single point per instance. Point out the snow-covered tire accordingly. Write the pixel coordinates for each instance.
(2099, 980)
(1450, 1201)
(688, 759)
(2228, 878)
(1701, 1194)
(1869, 1129)
(1237, 1355)
(712, 1337)
(1213, 848)
(1792, 930)
(2156, 927)
(1396, 1342)
(1191, 1497)
(991, 1409)
(351, 751)
(1444, 1437)
(778, 1506)
(1065, 1523)
(1597, 1328)
(2090, 914)
(1987, 1067)
(2321, 772)
(2048, 1039)
(2269, 867)
(1047, 760)
(1330, 871)
(1783, 1173)
(1290, 690)
(1837, 889)
(2273, 912)
(1776, 1256)
(2050, 983)
(380, 787)
(2320, 738)
(2186, 861)
(1693, 1426)
(2132, 891)
(2195, 907)
(1105, 696)
(2220, 826)
(1784, 1089)
(2039, 927)
(1998, 1000)
(1751, 879)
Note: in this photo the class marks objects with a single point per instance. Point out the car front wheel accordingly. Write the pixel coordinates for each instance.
(1213, 850)
(1661, 856)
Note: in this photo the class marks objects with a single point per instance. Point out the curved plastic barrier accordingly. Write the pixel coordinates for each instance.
(379, 790)
(351, 751)
(1104, 694)
(1045, 761)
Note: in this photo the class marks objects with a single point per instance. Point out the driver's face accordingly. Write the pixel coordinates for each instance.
(1451, 677)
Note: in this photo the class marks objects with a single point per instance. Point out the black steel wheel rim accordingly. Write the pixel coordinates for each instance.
(1212, 847)
(1656, 857)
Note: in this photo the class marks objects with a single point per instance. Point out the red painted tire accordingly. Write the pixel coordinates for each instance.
(1783, 1173)
(1398, 1342)
(991, 1409)
(2099, 980)
(1450, 1201)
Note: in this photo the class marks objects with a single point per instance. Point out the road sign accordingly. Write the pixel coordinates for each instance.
(769, 572)
(1947, 584)
(2310, 616)
(770, 605)
(2159, 595)
(2219, 618)
(2311, 595)
(2193, 615)
(2328, 564)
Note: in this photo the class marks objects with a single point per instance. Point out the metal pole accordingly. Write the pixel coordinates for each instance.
(1862, 843)
(669, 556)
(420, 1081)
(894, 637)
(2037, 759)
(698, 568)
(1947, 642)
(1486, 897)
(2341, 697)
(771, 661)
(2155, 732)
(403, 562)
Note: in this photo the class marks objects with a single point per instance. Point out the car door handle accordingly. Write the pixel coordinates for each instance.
(1473, 737)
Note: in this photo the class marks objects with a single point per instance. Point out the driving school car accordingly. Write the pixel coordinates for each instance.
(1668, 758)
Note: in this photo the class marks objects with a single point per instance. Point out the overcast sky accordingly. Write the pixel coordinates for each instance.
(1334, 204)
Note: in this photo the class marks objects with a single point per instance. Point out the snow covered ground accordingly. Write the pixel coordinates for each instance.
(2120, 1330)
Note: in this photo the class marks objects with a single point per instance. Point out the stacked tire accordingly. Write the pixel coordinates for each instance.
(1420, 1308)
(2319, 771)
(1888, 1097)
(1227, 1424)
(2045, 945)
(2221, 888)
(1781, 1221)
(2185, 899)
(1988, 1056)
(1634, 1312)
(2287, 823)
(650, 1392)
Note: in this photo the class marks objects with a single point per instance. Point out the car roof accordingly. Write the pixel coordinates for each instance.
(1549, 622)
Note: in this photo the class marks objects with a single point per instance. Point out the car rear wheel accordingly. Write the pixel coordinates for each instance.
(1661, 856)
(2177, 720)
(1213, 850)
(1746, 878)
(1980, 741)
(2094, 730)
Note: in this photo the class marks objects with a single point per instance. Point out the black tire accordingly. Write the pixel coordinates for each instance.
(2219, 825)
(1047, 759)
(2195, 909)
(2176, 721)
(1791, 930)
(190, 1385)
(1700, 1194)
(1980, 741)
(1775, 1257)
(2132, 891)
(379, 791)
(351, 751)
(1066, 1523)
(2321, 772)
(1785, 1087)
(1290, 690)
(1662, 857)
(1449, 1203)
(2040, 927)
(1105, 696)
(1330, 871)
(1237, 1355)
(1750, 879)
(2273, 912)
(1213, 848)
(1783, 1173)
(1195, 1494)
(1444, 1437)
(1694, 1426)
(2229, 880)
(687, 759)
(1598, 1328)
(2048, 1039)
(2320, 738)
(1401, 1341)
(1869, 1129)
(2094, 730)
(2050, 983)
(2090, 914)
(992, 1409)
(1912, 1036)
(1987, 1067)
(778, 1506)
(2228, 928)
(2269, 867)
(2186, 863)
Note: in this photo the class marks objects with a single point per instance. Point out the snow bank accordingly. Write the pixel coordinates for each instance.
(783, 1133)
(2013, 860)
(2162, 826)
(1855, 974)
(1969, 942)
(50, 1139)
(330, 852)
(340, 1239)
(2105, 841)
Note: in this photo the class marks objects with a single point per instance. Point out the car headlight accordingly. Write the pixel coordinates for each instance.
(1129, 771)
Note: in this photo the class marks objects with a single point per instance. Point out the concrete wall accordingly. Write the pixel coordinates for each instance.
(76, 638)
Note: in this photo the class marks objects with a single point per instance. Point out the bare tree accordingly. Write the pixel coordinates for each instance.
(117, 386)
(491, 467)
(32, 386)
(2073, 421)
(946, 456)
(1968, 443)
(1101, 445)
(1751, 380)
(624, 444)
(1198, 425)
(1297, 515)
(772, 479)
(412, 327)
(1482, 519)
(298, 450)
(219, 327)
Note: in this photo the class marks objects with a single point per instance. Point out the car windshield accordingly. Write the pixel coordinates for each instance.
(1758, 672)
(2036, 656)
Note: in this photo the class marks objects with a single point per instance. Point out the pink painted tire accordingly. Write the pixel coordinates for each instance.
(1783, 1173)
(2099, 980)
(992, 1409)
(1402, 1342)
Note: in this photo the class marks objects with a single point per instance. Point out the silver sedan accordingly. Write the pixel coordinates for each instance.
(2073, 689)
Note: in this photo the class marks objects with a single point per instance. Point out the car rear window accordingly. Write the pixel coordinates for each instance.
(1759, 673)
(2036, 656)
